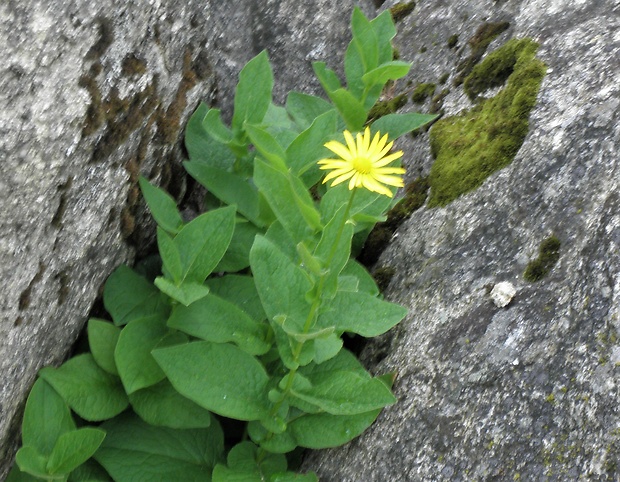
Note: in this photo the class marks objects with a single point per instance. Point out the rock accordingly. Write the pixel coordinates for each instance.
(503, 293)
(92, 94)
(529, 391)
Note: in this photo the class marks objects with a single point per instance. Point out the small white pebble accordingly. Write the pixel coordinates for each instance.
(503, 293)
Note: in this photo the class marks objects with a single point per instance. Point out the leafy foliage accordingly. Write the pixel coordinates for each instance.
(246, 317)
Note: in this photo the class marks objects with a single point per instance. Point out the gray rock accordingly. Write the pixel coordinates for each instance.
(530, 391)
(91, 95)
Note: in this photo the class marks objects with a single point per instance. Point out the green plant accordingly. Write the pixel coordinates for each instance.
(245, 318)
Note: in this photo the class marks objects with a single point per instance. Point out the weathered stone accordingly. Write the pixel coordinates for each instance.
(91, 95)
(529, 391)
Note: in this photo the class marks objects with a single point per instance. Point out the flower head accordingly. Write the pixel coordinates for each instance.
(363, 163)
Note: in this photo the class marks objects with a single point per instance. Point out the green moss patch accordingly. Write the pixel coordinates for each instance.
(548, 256)
(486, 33)
(385, 107)
(401, 10)
(471, 146)
(423, 92)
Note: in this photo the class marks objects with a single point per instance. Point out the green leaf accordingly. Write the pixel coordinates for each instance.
(238, 255)
(102, 339)
(308, 148)
(280, 443)
(395, 125)
(186, 294)
(354, 70)
(163, 207)
(170, 256)
(229, 188)
(203, 242)
(245, 455)
(136, 366)
(202, 147)
(90, 471)
(73, 449)
(351, 109)
(327, 77)
(385, 31)
(253, 94)
(341, 386)
(289, 199)
(305, 109)
(162, 405)
(90, 391)
(323, 430)
(267, 146)
(281, 285)
(219, 377)
(241, 291)
(29, 460)
(128, 296)
(46, 418)
(366, 283)
(388, 71)
(280, 125)
(334, 249)
(16, 475)
(325, 348)
(134, 451)
(214, 126)
(246, 464)
(214, 319)
(361, 313)
(365, 39)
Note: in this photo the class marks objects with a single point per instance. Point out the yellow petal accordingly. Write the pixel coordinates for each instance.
(386, 149)
(388, 170)
(390, 180)
(339, 149)
(339, 172)
(351, 143)
(375, 142)
(374, 186)
(342, 178)
(387, 159)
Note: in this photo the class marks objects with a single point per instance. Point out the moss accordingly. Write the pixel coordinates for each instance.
(133, 66)
(423, 49)
(548, 256)
(452, 41)
(471, 146)
(385, 107)
(497, 67)
(106, 37)
(401, 10)
(169, 122)
(423, 92)
(444, 78)
(437, 101)
(478, 44)
(383, 276)
(414, 198)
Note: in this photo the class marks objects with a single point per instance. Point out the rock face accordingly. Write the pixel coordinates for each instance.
(91, 95)
(529, 391)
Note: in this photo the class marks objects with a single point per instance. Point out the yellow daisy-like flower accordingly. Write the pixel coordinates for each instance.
(363, 163)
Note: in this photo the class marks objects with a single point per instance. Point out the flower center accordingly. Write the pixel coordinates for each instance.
(362, 164)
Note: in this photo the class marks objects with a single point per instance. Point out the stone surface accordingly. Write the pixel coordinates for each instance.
(91, 95)
(530, 391)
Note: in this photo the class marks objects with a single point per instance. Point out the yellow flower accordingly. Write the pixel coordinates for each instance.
(363, 163)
